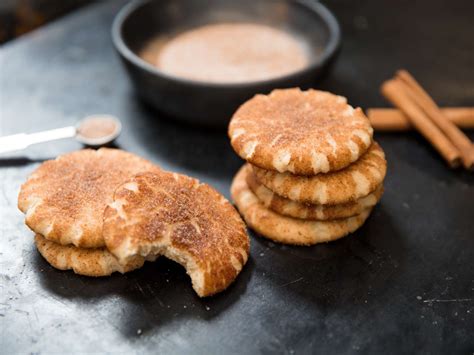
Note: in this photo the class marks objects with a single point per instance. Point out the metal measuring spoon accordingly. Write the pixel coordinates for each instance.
(95, 130)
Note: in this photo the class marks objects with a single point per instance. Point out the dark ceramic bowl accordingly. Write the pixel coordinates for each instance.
(214, 103)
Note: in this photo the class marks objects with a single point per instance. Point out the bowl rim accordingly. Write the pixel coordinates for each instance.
(315, 6)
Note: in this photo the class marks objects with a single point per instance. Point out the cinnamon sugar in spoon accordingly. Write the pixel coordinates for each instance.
(95, 131)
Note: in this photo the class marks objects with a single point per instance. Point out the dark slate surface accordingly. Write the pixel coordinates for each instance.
(403, 283)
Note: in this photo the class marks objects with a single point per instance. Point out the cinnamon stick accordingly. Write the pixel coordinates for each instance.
(394, 91)
(391, 119)
(426, 103)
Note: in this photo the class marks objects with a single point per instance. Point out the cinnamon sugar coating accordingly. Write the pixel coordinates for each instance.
(348, 185)
(302, 132)
(287, 207)
(187, 221)
(288, 230)
(64, 199)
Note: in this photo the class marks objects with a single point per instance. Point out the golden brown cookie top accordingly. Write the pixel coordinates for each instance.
(303, 132)
(354, 182)
(64, 199)
(183, 219)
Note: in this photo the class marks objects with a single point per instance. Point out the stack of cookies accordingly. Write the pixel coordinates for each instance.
(64, 200)
(98, 212)
(314, 172)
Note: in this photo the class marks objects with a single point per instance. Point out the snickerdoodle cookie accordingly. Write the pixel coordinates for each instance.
(187, 221)
(301, 132)
(348, 185)
(84, 261)
(64, 199)
(301, 210)
(285, 229)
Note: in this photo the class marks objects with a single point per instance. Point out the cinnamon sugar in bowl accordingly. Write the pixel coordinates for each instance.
(228, 53)
(198, 63)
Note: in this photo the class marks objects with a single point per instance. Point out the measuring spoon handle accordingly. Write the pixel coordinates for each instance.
(23, 140)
